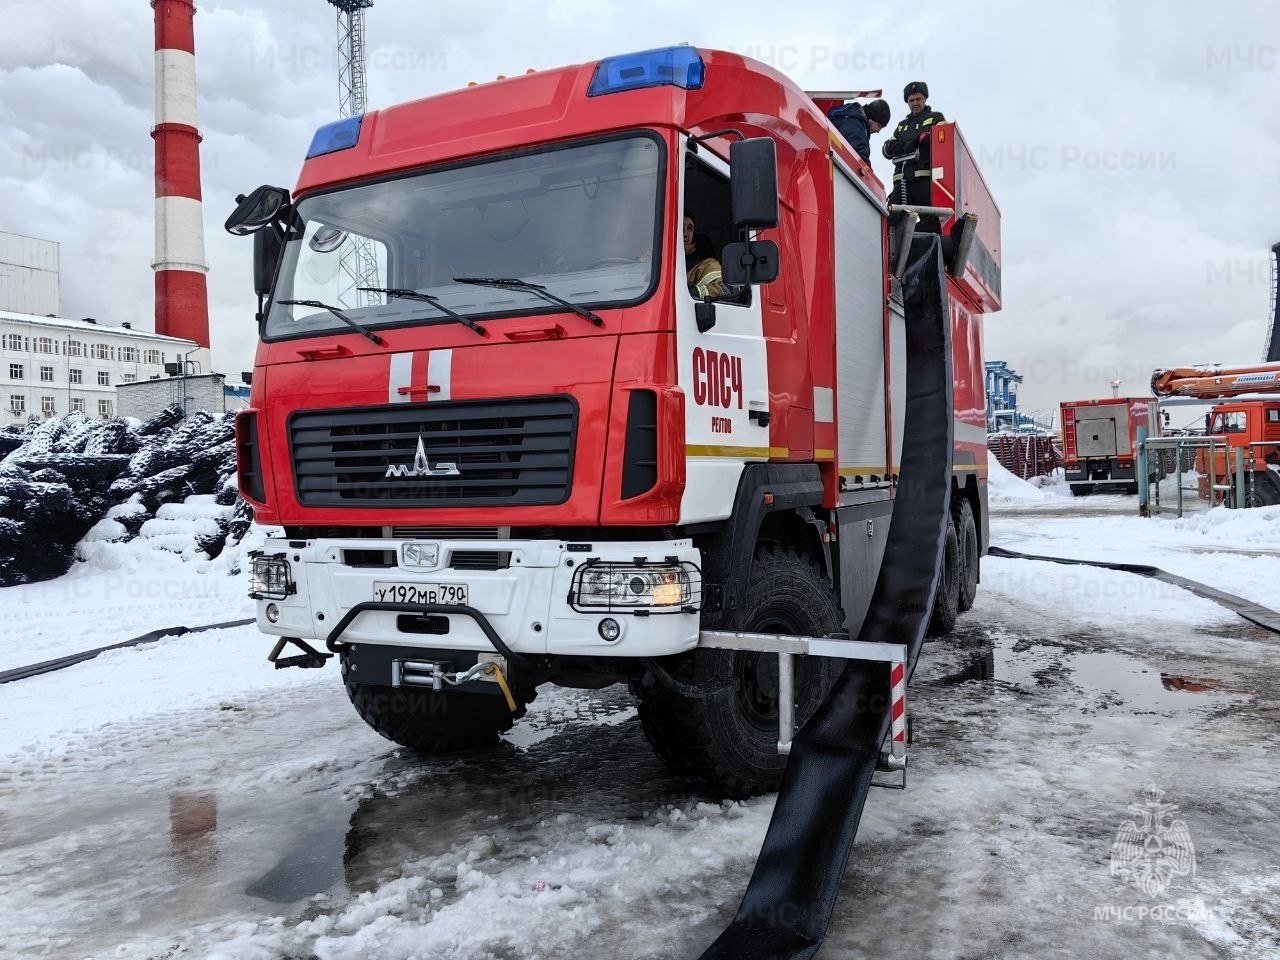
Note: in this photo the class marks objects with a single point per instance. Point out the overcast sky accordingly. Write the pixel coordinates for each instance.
(1134, 148)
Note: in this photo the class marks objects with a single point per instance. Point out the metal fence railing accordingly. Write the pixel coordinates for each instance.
(1214, 471)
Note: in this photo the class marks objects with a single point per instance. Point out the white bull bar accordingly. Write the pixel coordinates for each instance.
(786, 647)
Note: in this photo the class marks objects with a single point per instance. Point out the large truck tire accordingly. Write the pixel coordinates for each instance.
(1262, 492)
(1081, 489)
(721, 728)
(946, 602)
(970, 552)
(431, 722)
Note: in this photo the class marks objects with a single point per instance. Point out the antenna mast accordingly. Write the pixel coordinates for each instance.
(358, 264)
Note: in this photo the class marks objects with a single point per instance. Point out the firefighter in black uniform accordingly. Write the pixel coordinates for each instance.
(909, 149)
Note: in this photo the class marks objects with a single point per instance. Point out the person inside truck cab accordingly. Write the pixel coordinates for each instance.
(908, 148)
(700, 261)
(857, 123)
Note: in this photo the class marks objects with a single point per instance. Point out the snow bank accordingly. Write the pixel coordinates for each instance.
(1005, 487)
(122, 590)
(1254, 529)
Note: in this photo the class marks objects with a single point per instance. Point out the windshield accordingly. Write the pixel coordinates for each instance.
(581, 220)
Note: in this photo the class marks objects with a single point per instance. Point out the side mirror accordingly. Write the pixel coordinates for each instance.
(749, 262)
(753, 183)
(255, 211)
(267, 245)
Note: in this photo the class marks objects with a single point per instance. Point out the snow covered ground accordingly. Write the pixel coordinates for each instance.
(183, 800)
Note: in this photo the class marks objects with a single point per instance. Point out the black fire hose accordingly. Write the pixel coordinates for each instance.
(1255, 613)
(48, 666)
(793, 890)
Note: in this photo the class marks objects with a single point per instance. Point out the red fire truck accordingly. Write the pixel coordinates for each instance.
(1251, 424)
(1100, 441)
(507, 446)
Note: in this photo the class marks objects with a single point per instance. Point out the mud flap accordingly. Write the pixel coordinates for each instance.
(788, 903)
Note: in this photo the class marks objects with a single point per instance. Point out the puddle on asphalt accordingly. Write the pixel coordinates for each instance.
(981, 667)
(1141, 687)
(1127, 680)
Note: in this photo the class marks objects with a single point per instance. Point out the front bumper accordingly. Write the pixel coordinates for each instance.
(526, 602)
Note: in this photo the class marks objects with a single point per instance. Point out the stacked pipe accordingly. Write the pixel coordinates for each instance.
(182, 306)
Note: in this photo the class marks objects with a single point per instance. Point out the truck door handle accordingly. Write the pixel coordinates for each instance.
(545, 332)
(324, 353)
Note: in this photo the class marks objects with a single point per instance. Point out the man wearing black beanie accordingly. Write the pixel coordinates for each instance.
(856, 123)
(909, 149)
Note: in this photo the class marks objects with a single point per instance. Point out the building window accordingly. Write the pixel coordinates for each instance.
(130, 378)
(46, 374)
(45, 345)
(128, 354)
(100, 351)
(46, 406)
(77, 404)
(75, 376)
(104, 378)
(75, 348)
(104, 408)
(13, 341)
(17, 404)
(15, 371)
(154, 356)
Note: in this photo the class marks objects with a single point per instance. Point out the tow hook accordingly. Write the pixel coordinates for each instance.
(310, 657)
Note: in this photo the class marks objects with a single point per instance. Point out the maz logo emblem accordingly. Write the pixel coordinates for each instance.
(422, 466)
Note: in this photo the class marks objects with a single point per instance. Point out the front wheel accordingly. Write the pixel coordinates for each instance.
(721, 727)
(1261, 492)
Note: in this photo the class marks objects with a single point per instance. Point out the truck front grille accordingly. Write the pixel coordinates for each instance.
(482, 454)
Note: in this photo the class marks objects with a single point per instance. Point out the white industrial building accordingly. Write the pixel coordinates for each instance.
(50, 365)
(28, 275)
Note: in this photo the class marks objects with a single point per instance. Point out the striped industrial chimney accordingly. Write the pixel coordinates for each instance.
(182, 303)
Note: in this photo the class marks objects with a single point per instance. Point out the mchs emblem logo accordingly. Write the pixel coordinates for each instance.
(422, 467)
(1153, 849)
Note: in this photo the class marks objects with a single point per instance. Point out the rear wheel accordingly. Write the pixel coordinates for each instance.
(1080, 490)
(946, 601)
(435, 722)
(970, 552)
(722, 728)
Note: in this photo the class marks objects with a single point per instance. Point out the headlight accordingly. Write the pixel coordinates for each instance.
(269, 579)
(658, 587)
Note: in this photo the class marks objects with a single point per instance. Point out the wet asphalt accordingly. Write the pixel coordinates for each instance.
(1032, 744)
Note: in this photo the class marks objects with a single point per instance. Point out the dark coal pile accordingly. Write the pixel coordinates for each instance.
(63, 477)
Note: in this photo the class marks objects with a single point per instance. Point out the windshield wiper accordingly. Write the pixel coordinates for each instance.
(511, 283)
(363, 331)
(402, 294)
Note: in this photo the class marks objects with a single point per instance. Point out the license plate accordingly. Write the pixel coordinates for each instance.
(453, 593)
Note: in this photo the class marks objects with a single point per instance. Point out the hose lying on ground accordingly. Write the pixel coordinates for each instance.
(1256, 613)
(48, 666)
